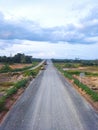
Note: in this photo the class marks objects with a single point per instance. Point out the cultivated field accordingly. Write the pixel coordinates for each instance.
(83, 78)
(13, 83)
(90, 77)
(9, 78)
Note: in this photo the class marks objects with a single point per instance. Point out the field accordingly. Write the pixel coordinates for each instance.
(83, 78)
(90, 77)
(16, 66)
(14, 82)
(8, 79)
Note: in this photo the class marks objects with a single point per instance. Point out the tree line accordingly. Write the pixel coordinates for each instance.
(82, 62)
(18, 58)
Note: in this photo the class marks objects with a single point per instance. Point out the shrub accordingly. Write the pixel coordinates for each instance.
(5, 68)
(11, 91)
(21, 83)
(68, 75)
(2, 103)
(31, 72)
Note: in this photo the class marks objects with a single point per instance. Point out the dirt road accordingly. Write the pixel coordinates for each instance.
(51, 103)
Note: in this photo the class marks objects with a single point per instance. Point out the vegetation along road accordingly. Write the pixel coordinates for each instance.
(51, 103)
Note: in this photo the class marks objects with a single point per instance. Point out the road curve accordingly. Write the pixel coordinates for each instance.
(51, 103)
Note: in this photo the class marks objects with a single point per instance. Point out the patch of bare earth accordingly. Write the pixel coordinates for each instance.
(91, 82)
(18, 66)
(10, 77)
(1, 65)
(86, 96)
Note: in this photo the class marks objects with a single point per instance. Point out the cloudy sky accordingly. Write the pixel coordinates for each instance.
(49, 28)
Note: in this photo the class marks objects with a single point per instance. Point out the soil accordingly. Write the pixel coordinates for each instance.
(18, 66)
(86, 96)
(91, 82)
(10, 77)
(1, 65)
(9, 103)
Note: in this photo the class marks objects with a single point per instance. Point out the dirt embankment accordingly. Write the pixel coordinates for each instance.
(90, 81)
(6, 81)
(86, 96)
(11, 77)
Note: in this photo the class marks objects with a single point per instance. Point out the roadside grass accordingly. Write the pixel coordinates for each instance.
(77, 72)
(16, 86)
(6, 68)
(32, 73)
(9, 92)
(69, 74)
(5, 86)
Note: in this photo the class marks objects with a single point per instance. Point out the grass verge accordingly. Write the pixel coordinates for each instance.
(19, 84)
(11, 91)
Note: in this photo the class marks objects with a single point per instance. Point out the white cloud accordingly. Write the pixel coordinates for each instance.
(47, 50)
(49, 12)
(55, 27)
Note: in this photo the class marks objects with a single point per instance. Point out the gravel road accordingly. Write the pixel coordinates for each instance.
(51, 103)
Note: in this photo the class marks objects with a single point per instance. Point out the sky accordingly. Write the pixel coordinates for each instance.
(63, 29)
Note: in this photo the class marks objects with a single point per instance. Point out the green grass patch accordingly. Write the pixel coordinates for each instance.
(32, 73)
(11, 91)
(21, 83)
(5, 68)
(2, 103)
(89, 91)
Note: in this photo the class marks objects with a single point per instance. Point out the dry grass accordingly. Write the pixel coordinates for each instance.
(18, 66)
(90, 81)
(1, 65)
(93, 69)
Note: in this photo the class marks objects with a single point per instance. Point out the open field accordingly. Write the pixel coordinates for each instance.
(51, 103)
(90, 77)
(17, 66)
(87, 84)
(12, 84)
(9, 78)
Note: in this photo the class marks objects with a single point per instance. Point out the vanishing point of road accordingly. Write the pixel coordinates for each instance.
(51, 103)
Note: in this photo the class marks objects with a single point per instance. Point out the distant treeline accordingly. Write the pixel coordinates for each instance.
(18, 58)
(82, 62)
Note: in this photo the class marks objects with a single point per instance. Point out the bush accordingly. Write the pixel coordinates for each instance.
(5, 68)
(21, 83)
(31, 72)
(11, 91)
(68, 75)
(2, 103)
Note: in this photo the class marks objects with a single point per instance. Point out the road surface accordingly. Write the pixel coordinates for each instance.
(51, 103)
